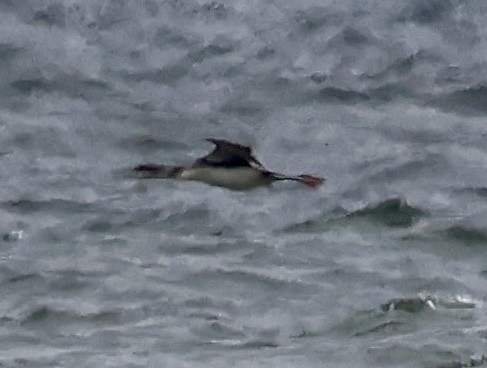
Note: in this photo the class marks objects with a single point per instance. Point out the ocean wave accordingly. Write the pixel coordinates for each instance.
(54, 205)
(466, 234)
(247, 281)
(44, 314)
(393, 212)
(334, 94)
(73, 86)
(468, 101)
(426, 12)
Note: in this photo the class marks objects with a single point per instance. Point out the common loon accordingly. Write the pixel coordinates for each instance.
(229, 165)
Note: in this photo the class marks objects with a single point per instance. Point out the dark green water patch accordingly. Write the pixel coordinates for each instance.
(24, 277)
(26, 206)
(391, 212)
(467, 235)
(47, 316)
(42, 314)
(71, 85)
(479, 191)
(468, 101)
(260, 344)
(342, 95)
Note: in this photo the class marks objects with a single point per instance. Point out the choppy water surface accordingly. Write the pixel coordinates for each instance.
(384, 266)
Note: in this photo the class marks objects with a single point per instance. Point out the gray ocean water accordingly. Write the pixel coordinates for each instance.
(384, 266)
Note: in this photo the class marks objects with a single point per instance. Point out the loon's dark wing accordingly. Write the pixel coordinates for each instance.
(229, 154)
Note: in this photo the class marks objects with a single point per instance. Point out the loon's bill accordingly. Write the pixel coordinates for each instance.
(230, 165)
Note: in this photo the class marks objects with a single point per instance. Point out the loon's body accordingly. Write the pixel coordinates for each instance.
(229, 165)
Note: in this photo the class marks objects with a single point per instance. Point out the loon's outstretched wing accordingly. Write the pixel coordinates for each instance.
(229, 154)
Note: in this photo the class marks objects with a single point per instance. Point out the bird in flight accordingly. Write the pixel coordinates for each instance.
(229, 165)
